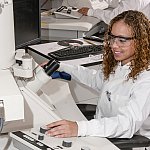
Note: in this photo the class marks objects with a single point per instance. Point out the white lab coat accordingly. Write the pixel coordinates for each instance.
(108, 14)
(124, 106)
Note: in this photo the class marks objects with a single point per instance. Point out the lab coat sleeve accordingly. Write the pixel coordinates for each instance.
(112, 3)
(128, 120)
(89, 77)
(124, 5)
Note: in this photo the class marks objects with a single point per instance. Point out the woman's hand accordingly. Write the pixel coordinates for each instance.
(63, 128)
(83, 10)
(43, 64)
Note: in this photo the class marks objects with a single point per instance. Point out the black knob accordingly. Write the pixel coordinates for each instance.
(66, 144)
(43, 129)
(85, 148)
(40, 137)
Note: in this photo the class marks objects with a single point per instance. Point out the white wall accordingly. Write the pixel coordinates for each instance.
(51, 4)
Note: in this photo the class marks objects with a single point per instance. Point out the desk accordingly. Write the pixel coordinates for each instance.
(59, 29)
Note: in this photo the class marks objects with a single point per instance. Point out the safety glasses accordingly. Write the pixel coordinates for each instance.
(121, 41)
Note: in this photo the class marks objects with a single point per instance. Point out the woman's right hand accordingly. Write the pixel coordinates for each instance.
(43, 64)
(83, 10)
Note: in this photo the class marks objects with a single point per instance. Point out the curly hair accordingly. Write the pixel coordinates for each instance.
(140, 28)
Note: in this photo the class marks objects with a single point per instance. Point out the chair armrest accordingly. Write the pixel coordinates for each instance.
(135, 141)
(88, 110)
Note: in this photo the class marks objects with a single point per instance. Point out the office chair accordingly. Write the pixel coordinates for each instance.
(123, 143)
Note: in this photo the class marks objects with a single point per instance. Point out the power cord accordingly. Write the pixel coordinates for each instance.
(8, 143)
(2, 115)
(1, 124)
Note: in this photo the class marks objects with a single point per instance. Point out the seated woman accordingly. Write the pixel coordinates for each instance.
(123, 83)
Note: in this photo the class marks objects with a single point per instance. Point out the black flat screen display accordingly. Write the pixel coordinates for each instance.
(26, 22)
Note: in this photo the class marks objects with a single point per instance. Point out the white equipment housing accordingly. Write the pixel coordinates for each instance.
(11, 96)
(9, 93)
(7, 46)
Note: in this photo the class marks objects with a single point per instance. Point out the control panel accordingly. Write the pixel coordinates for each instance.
(64, 12)
(38, 140)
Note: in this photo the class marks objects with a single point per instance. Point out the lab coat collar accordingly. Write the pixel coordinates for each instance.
(124, 66)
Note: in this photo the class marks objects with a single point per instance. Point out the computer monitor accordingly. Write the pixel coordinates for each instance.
(26, 22)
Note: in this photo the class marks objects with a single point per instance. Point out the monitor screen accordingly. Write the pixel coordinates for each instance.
(26, 22)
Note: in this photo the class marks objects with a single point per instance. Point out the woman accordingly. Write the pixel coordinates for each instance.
(123, 83)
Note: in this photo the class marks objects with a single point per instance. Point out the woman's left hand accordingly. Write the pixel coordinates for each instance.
(63, 129)
(83, 10)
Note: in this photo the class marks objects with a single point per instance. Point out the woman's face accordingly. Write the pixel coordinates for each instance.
(121, 42)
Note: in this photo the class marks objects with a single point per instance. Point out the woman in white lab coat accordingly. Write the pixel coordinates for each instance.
(123, 83)
(118, 7)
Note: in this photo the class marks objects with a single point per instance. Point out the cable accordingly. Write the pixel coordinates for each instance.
(8, 143)
(9, 138)
(1, 124)
(2, 115)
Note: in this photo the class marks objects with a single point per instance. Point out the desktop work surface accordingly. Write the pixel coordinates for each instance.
(58, 29)
(48, 51)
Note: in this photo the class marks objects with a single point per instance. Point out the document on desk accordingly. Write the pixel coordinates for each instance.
(47, 47)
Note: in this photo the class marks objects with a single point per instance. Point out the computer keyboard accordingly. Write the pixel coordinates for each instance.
(94, 38)
(76, 52)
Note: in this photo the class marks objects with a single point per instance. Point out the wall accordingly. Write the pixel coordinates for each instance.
(51, 4)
